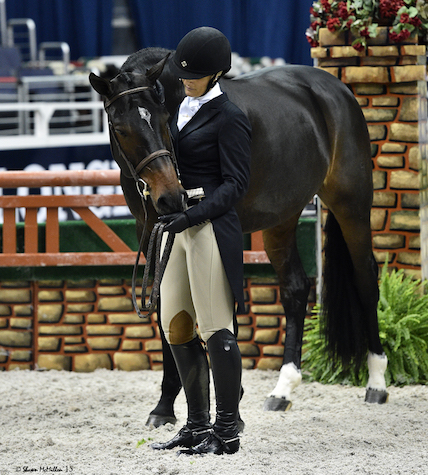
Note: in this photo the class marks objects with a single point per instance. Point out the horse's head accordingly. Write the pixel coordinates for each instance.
(139, 135)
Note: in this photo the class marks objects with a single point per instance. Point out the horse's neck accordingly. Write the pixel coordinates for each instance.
(174, 92)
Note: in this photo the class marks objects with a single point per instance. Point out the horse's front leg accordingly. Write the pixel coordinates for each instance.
(281, 247)
(163, 413)
(290, 376)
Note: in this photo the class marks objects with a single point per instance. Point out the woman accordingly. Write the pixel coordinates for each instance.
(204, 275)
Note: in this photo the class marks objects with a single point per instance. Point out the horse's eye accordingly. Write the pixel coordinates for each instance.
(120, 132)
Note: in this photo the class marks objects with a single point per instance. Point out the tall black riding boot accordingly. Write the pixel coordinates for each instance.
(226, 367)
(192, 366)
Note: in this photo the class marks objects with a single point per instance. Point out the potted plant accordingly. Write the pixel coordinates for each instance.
(403, 331)
(405, 19)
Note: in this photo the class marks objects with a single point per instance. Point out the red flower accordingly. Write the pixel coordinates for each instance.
(416, 22)
(326, 5)
(310, 36)
(358, 46)
(389, 8)
(313, 12)
(393, 36)
(313, 43)
(397, 37)
(365, 33)
(349, 24)
(342, 11)
(405, 33)
(333, 24)
(315, 24)
(404, 18)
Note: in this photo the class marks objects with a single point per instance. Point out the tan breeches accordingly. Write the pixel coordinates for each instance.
(194, 288)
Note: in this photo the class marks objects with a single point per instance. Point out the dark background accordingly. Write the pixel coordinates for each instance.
(255, 28)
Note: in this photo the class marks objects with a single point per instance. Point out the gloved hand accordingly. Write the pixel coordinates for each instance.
(177, 222)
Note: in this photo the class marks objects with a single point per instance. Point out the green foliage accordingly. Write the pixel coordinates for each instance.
(143, 441)
(403, 331)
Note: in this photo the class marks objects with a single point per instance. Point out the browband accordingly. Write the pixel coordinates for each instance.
(124, 93)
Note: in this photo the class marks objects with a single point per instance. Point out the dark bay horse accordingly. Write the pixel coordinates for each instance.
(309, 137)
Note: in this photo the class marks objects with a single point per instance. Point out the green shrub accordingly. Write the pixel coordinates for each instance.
(403, 331)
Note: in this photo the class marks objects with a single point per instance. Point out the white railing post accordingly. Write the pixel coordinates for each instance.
(32, 37)
(3, 23)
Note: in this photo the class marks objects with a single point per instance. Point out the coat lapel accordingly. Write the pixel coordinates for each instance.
(204, 114)
(173, 127)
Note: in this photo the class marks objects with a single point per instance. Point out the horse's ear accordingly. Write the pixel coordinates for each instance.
(154, 73)
(102, 86)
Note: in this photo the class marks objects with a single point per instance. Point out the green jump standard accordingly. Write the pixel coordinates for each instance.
(76, 236)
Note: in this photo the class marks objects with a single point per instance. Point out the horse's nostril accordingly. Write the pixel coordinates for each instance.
(169, 203)
(162, 205)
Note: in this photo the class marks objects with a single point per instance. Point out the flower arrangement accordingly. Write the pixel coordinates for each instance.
(406, 18)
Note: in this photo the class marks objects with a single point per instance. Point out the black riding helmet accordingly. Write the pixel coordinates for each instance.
(202, 52)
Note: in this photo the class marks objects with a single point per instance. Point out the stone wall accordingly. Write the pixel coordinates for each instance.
(389, 82)
(84, 325)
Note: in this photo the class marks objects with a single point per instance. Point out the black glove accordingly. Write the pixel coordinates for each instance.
(176, 222)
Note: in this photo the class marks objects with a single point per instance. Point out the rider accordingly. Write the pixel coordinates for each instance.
(204, 276)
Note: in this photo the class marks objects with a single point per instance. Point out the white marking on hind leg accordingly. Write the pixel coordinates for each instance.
(289, 378)
(377, 366)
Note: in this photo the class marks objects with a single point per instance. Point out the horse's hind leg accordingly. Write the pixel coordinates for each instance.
(350, 263)
(281, 248)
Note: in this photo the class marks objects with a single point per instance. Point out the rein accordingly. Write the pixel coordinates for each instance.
(160, 264)
(156, 235)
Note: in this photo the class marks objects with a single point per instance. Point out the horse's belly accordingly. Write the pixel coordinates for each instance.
(263, 212)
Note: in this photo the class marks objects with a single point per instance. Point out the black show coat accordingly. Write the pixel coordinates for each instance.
(213, 151)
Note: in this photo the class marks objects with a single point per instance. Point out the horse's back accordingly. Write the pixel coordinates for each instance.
(295, 89)
(290, 147)
(305, 122)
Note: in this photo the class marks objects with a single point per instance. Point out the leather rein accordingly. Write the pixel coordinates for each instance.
(156, 235)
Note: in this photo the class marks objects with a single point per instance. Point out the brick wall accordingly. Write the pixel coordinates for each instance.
(89, 324)
(389, 82)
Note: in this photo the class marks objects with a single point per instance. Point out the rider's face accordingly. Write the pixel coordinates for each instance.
(196, 87)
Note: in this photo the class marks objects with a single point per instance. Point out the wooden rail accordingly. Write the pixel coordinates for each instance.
(121, 253)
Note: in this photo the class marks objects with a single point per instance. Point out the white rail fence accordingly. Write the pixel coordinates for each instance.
(85, 116)
(51, 111)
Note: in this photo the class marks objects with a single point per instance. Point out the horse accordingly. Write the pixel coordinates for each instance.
(309, 137)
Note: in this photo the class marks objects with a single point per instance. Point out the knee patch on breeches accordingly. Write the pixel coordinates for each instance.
(181, 328)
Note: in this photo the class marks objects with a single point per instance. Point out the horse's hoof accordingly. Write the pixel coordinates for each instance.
(241, 425)
(157, 420)
(375, 396)
(273, 403)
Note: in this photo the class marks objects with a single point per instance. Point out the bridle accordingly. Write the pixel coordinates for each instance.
(156, 235)
(144, 193)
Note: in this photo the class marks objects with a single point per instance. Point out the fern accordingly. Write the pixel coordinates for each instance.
(403, 331)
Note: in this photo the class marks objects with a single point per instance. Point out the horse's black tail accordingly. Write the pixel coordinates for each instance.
(343, 321)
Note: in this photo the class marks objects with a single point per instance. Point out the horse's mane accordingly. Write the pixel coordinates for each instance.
(144, 59)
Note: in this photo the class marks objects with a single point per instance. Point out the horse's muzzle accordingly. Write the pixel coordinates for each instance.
(169, 202)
